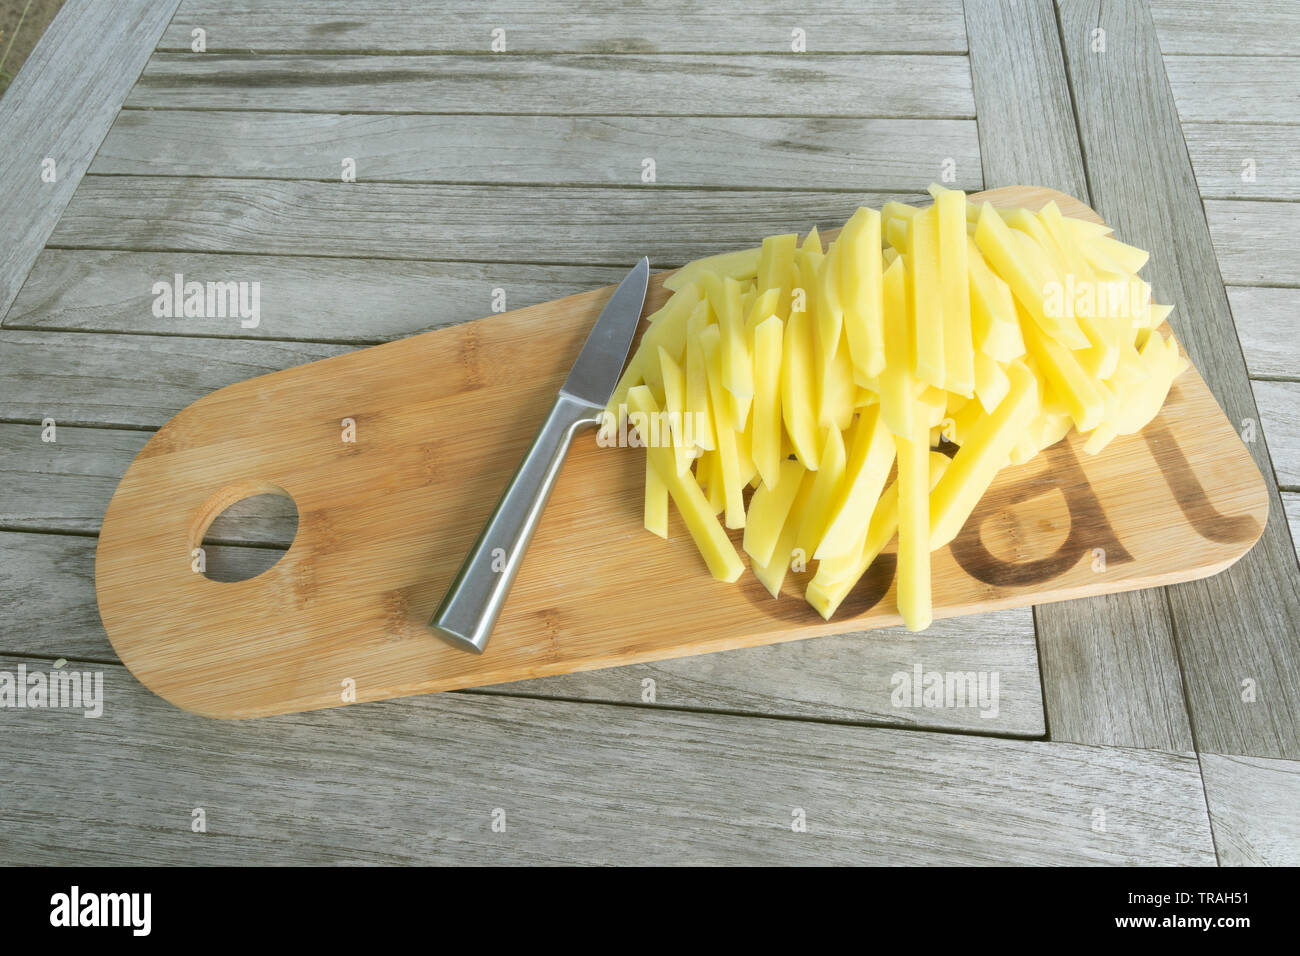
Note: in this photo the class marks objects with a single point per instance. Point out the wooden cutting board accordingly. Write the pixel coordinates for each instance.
(441, 421)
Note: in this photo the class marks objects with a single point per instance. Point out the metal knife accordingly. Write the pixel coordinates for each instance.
(474, 601)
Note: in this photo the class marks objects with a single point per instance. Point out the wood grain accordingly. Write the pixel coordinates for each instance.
(1220, 153)
(579, 226)
(1110, 670)
(1251, 241)
(568, 26)
(384, 523)
(844, 677)
(409, 782)
(804, 84)
(1263, 316)
(1213, 89)
(49, 606)
(135, 380)
(303, 298)
(1133, 637)
(1291, 502)
(1241, 624)
(1278, 402)
(1026, 127)
(59, 108)
(753, 152)
(1252, 802)
(63, 485)
(1218, 26)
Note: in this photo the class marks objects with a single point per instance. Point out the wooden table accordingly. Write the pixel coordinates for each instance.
(1153, 727)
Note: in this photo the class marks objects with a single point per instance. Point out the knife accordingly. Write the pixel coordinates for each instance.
(474, 601)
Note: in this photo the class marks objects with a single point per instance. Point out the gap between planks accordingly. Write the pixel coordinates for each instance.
(845, 678)
(1241, 623)
(1109, 670)
(666, 787)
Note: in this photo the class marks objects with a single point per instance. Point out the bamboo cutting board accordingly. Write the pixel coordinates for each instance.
(441, 422)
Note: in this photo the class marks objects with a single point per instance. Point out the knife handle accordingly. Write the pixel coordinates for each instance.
(473, 602)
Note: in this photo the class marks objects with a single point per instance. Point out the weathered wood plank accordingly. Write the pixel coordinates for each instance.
(1278, 402)
(745, 152)
(804, 85)
(568, 26)
(1291, 502)
(1267, 328)
(1110, 671)
(577, 784)
(410, 221)
(1211, 26)
(57, 111)
(1253, 804)
(1241, 624)
(354, 301)
(47, 593)
(1244, 161)
(849, 677)
(1255, 241)
(1085, 651)
(48, 599)
(132, 380)
(65, 486)
(1225, 89)
(1026, 127)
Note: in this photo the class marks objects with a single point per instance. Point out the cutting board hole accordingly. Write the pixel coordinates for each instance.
(249, 536)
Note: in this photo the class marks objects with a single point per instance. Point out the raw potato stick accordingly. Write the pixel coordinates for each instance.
(767, 400)
(715, 547)
(914, 603)
(926, 302)
(789, 382)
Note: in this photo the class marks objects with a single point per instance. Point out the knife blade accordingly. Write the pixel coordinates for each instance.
(473, 602)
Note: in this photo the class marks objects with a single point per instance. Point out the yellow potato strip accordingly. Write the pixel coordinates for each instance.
(1028, 274)
(828, 306)
(799, 400)
(863, 296)
(896, 383)
(698, 404)
(958, 350)
(668, 330)
(983, 453)
(768, 509)
(772, 573)
(785, 383)
(822, 497)
(767, 400)
(870, 459)
(926, 302)
(742, 264)
(994, 327)
(914, 601)
(776, 270)
(675, 407)
(714, 545)
(728, 457)
(737, 364)
(1084, 397)
(836, 577)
